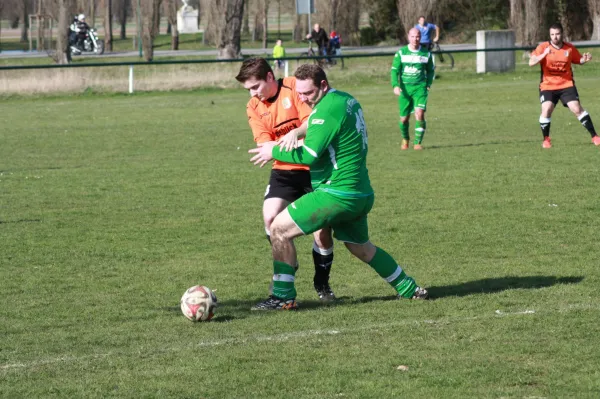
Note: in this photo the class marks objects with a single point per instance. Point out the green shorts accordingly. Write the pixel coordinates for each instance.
(413, 96)
(346, 216)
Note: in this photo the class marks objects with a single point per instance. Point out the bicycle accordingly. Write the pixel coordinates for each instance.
(322, 62)
(435, 47)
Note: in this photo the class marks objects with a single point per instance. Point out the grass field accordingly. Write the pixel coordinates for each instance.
(113, 205)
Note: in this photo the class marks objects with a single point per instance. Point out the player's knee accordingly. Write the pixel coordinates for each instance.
(364, 252)
(323, 238)
(268, 219)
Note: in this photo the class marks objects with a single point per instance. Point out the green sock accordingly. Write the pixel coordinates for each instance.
(388, 269)
(419, 131)
(404, 130)
(283, 280)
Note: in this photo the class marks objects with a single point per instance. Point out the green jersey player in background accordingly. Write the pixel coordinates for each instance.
(335, 148)
(412, 75)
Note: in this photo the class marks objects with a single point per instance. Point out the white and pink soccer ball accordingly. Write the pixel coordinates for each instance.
(198, 303)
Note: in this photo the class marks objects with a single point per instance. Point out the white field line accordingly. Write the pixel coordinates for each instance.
(294, 335)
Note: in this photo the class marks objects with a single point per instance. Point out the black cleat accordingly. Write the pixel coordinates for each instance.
(274, 303)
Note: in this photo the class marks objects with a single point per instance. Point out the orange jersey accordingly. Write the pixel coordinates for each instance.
(556, 66)
(271, 120)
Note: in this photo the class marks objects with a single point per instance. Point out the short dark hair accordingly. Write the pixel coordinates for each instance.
(312, 72)
(558, 26)
(422, 16)
(257, 68)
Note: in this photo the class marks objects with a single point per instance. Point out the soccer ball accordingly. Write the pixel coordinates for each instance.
(198, 303)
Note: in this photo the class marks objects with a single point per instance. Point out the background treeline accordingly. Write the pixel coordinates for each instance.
(365, 22)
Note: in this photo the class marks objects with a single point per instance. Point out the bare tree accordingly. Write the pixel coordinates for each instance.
(171, 13)
(246, 23)
(62, 54)
(149, 10)
(121, 8)
(527, 18)
(265, 23)
(409, 11)
(108, 37)
(594, 7)
(228, 15)
(25, 7)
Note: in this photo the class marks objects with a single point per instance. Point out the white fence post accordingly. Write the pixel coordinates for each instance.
(287, 68)
(130, 79)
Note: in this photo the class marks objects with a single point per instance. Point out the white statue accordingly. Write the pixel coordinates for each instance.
(187, 19)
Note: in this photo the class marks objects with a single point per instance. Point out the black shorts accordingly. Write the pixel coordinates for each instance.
(288, 184)
(427, 46)
(564, 95)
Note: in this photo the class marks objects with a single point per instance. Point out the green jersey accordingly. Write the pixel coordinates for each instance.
(335, 147)
(412, 67)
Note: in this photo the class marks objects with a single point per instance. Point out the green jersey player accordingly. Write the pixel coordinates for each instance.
(335, 148)
(412, 75)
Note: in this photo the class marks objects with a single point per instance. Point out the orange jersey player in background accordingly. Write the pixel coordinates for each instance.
(276, 113)
(555, 58)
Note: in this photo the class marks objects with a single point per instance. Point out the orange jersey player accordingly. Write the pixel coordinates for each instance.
(276, 113)
(555, 58)
(271, 119)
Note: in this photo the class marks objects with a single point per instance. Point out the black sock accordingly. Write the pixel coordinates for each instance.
(586, 121)
(545, 126)
(322, 268)
(269, 238)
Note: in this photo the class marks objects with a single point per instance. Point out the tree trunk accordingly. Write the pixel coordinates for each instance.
(299, 33)
(265, 23)
(150, 10)
(123, 19)
(25, 17)
(62, 55)
(229, 28)
(39, 30)
(92, 13)
(246, 24)
(334, 14)
(108, 37)
(171, 13)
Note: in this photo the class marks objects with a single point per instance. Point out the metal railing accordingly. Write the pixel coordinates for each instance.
(298, 58)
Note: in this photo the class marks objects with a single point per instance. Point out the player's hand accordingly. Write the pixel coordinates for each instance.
(266, 142)
(428, 88)
(586, 57)
(546, 51)
(290, 141)
(263, 153)
(397, 91)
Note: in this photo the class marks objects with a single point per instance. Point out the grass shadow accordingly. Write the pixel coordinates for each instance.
(492, 285)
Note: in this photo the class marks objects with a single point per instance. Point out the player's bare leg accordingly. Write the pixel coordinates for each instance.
(388, 269)
(585, 119)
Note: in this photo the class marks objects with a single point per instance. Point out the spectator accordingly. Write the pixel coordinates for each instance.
(320, 37)
(278, 52)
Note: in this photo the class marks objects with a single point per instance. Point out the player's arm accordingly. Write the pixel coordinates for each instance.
(395, 73)
(437, 34)
(578, 58)
(294, 137)
(538, 55)
(430, 71)
(321, 134)
(260, 132)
